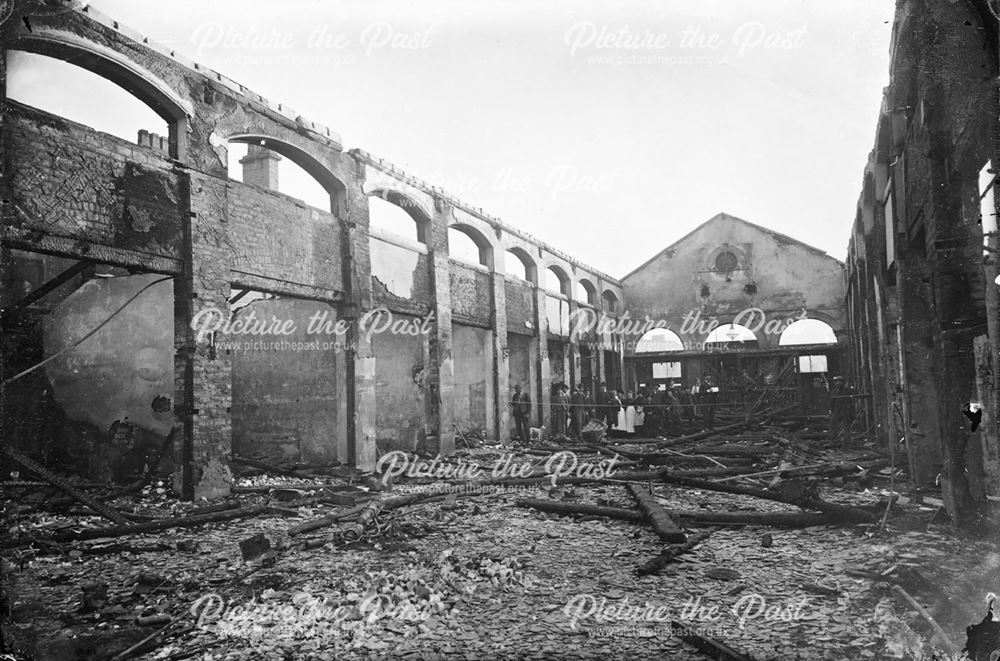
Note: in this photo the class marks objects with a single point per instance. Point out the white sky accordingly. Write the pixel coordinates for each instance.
(513, 105)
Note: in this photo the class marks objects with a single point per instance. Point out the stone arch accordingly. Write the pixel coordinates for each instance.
(483, 243)
(530, 266)
(587, 291)
(807, 331)
(415, 210)
(611, 302)
(142, 84)
(316, 169)
(565, 283)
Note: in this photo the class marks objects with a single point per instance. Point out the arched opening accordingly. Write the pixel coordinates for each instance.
(808, 331)
(286, 169)
(518, 264)
(657, 340)
(557, 280)
(611, 303)
(81, 95)
(586, 291)
(466, 244)
(385, 213)
(731, 336)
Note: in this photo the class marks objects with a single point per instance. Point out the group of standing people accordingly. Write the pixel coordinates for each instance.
(676, 404)
(661, 412)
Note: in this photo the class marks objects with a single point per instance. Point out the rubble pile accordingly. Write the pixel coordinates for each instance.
(765, 541)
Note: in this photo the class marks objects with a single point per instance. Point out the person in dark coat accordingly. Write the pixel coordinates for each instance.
(577, 412)
(520, 405)
(560, 409)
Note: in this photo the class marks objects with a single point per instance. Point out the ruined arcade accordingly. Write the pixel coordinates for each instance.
(265, 393)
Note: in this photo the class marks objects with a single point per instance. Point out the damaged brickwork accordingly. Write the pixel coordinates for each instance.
(921, 263)
(80, 205)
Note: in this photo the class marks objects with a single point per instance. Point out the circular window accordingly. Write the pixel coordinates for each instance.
(726, 262)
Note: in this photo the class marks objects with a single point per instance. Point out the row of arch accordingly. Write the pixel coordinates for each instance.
(394, 213)
(801, 332)
(389, 210)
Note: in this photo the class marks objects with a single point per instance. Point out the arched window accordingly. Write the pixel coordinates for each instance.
(257, 165)
(731, 335)
(586, 291)
(466, 244)
(657, 340)
(317, 186)
(519, 265)
(611, 303)
(79, 95)
(392, 219)
(557, 280)
(808, 331)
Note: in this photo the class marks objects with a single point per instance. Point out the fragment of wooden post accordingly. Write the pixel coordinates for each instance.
(843, 512)
(658, 518)
(324, 521)
(736, 450)
(139, 528)
(945, 638)
(566, 509)
(831, 468)
(269, 468)
(710, 647)
(689, 517)
(672, 551)
(737, 471)
(365, 513)
(61, 484)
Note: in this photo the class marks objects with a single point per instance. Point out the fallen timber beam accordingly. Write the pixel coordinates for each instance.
(108, 513)
(834, 468)
(658, 518)
(671, 552)
(630, 476)
(676, 458)
(687, 517)
(369, 510)
(732, 450)
(140, 528)
(710, 647)
(851, 514)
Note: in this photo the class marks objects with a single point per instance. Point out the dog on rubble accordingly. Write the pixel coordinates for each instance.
(537, 434)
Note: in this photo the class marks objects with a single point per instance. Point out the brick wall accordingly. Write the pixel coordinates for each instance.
(275, 236)
(470, 294)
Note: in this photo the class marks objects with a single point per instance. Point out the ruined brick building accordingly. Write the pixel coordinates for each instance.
(750, 308)
(141, 240)
(922, 260)
(150, 243)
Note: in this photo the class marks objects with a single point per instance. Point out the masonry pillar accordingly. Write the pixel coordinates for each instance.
(573, 346)
(501, 364)
(601, 378)
(359, 356)
(439, 403)
(543, 402)
(202, 375)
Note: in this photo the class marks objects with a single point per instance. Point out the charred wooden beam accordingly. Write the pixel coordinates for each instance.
(658, 517)
(671, 552)
(843, 512)
(51, 285)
